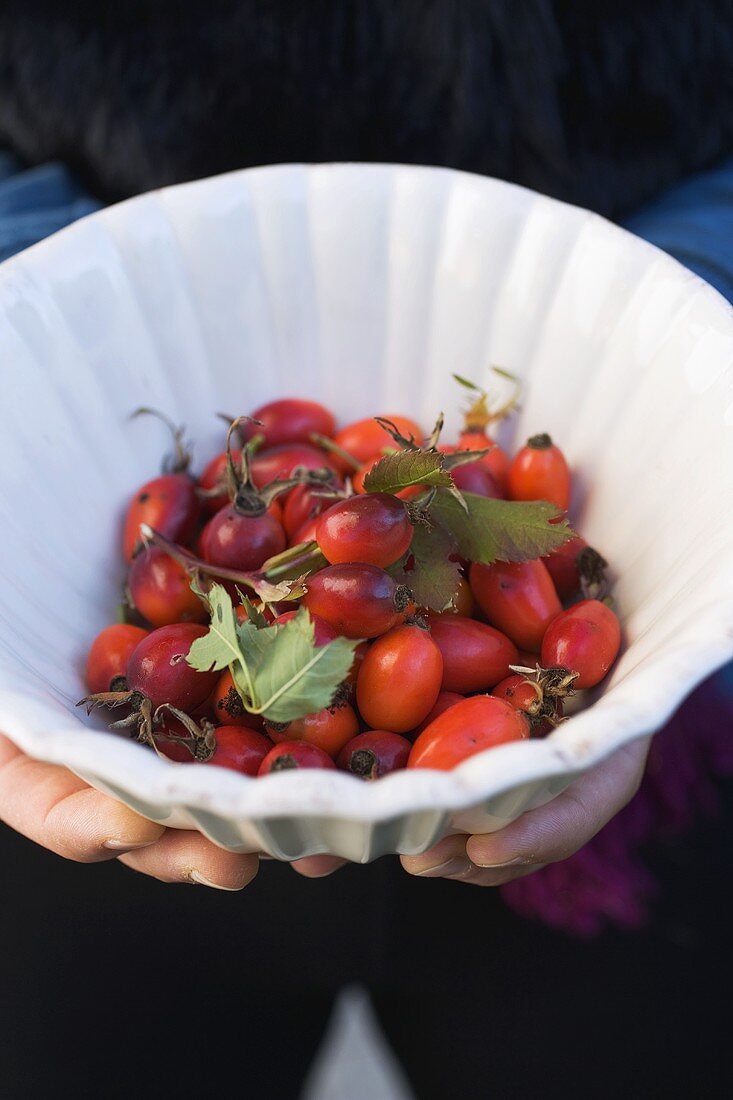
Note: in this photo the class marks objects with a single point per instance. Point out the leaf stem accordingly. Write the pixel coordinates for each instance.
(329, 445)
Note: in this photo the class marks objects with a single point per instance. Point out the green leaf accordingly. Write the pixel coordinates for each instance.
(433, 578)
(220, 648)
(254, 615)
(405, 469)
(278, 670)
(491, 530)
(462, 458)
(467, 383)
(292, 676)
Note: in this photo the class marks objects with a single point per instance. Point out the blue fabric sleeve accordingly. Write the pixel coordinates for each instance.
(35, 202)
(694, 223)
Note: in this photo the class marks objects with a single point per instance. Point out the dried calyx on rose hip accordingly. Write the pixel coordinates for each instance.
(375, 576)
(538, 693)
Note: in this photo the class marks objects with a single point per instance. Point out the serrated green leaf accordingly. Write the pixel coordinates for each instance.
(220, 648)
(292, 676)
(433, 578)
(491, 530)
(405, 469)
(254, 615)
(278, 670)
(463, 458)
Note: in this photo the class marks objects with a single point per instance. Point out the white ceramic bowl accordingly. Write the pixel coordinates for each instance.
(363, 286)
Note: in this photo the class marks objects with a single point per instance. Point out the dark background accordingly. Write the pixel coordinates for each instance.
(114, 985)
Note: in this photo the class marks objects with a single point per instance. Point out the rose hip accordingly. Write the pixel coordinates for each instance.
(527, 695)
(374, 528)
(496, 461)
(475, 656)
(294, 754)
(169, 504)
(445, 700)
(359, 601)
(279, 462)
(465, 729)
(475, 478)
(373, 754)
(237, 541)
(160, 589)
(323, 632)
(399, 679)
(289, 420)
(328, 729)
(584, 639)
(109, 654)
(518, 598)
(228, 706)
(158, 669)
(365, 439)
(539, 472)
(240, 749)
(305, 503)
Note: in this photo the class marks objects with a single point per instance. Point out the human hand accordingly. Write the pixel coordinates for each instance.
(546, 835)
(59, 811)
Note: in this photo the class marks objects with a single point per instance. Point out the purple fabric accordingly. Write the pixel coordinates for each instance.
(608, 882)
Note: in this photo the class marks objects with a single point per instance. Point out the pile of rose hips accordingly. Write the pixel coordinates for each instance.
(285, 518)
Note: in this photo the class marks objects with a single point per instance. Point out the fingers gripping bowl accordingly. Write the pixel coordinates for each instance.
(362, 287)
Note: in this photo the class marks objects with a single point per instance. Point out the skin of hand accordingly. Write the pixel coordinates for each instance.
(59, 811)
(546, 835)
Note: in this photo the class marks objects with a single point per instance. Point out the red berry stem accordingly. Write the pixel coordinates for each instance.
(270, 582)
(329, 445)
(180, 460)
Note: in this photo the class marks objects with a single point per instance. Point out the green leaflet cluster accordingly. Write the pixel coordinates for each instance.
(279, 671)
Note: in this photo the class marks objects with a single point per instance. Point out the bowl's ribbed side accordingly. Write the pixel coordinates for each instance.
(365, 286)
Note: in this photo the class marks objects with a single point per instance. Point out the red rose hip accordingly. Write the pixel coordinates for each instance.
(518, 598)
(158, 668)
(475, 656)
(289, 420)
(375, 753)
(374, 528)
(399, 679)
(358, 600)
(240, 749)
(539, 472)
(160, 589)
(584, 639)
(169, 504)
(328, 729)
(294, 754)
(109, 654)
(237, 541)
(466, 729)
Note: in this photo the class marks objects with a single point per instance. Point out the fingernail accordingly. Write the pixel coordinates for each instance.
(125, 845)
(199, 880)
(455, 866)
(513, 862)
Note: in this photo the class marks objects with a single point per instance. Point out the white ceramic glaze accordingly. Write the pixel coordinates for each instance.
(364, 286)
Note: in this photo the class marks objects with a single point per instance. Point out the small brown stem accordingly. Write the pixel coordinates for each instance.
(327, 444)
(180, 460)
(264, 583)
